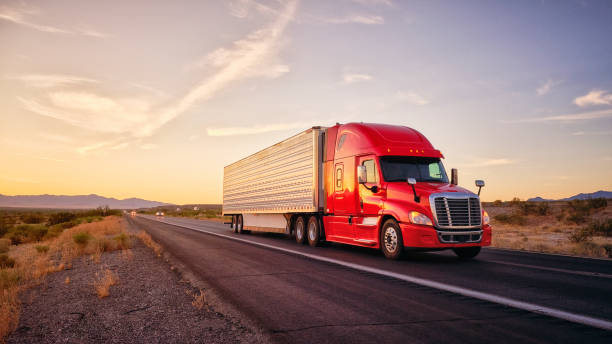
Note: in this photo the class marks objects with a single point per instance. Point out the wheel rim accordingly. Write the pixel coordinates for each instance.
(312, 228)
(390, 239)
(299, 230)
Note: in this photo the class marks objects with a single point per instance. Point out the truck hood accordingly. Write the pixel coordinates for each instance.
(400, 196)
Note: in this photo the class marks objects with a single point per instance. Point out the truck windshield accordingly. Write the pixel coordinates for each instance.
(400, 168)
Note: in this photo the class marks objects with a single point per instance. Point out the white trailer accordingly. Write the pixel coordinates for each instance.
(264, 189)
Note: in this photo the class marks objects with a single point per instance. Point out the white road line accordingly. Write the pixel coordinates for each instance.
(530, 307)
(566, 271)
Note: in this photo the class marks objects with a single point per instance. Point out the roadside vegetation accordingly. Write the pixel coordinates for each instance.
(578, 227)
(35, 243)
(197, 211)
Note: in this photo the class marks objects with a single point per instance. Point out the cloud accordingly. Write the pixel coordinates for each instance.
(592, 133)
(595, 97)
(242, 8)
(148, 146)
(411, 97)
(51, 80)
(547, 86)
(22, 16)
(583, 116)
(492, 162)
(350, 78)
(131, 119)
(356, 19)
(247, 58)
(258, 129)
(374, 2)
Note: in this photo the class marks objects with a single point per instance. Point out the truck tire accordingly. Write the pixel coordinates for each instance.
(239, 224)
(234, 227)
(467, 252)
(313, 231)
(300, 230)
(391, 241)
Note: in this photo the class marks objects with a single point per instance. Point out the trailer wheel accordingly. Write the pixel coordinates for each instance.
(234, 227)
(467, 252)
(314, 231)
(391, 241)
(239, 224)
(300, 230)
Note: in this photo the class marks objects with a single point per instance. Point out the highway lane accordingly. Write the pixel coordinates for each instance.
(298, 299)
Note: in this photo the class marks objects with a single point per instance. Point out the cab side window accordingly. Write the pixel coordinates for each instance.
(371, 173)
(341, 141)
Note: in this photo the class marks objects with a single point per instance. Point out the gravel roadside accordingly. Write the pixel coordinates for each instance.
(151, 303)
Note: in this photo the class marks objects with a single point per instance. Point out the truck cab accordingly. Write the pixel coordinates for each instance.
(386, 187)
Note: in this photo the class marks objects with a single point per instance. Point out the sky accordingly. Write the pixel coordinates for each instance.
(152, 99)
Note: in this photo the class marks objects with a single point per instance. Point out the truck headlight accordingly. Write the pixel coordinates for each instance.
(419, 219)
(485, 217)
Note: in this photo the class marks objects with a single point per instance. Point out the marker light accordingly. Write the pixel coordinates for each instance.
(485, 217)
(419, 219)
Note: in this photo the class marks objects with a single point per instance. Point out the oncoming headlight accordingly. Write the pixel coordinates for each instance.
(419, 219)
(485, 217)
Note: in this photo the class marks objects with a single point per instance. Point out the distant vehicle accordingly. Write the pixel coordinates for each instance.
(159, 213)
(372, 185)
(133, 213)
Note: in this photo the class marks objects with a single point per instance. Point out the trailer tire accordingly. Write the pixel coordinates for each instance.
(239, 224)
(234, 227)
(300, 230)
(391, 241)
(313, 231)
(467, 252)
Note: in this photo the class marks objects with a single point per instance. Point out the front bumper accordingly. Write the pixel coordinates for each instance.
(428, 237)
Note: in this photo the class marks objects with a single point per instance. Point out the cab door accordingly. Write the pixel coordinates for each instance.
(370, 202)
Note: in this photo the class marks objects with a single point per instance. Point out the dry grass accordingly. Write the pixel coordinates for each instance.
(34, 261)
(147, 240)
(103, 281)
(554, 232)
(67, 280)
(199, 300)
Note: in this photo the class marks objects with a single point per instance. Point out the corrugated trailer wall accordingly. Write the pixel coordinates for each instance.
(282, 178)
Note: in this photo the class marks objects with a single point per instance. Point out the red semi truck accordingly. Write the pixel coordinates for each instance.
(372, 185)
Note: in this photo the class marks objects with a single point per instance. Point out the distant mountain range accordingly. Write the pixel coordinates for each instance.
(75, 202)
(598, 194)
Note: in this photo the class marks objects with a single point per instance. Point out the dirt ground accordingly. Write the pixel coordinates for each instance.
(549, 233)
(151, 303)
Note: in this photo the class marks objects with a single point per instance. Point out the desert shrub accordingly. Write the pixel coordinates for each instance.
(514, 219)
(103, 281)
(37, 233)
(42, 248)
(100, 211)
(61, 217)
(526, 208)
(6, 261)
(608, 249)
(601, 228)
(597, 203)
(515, 201)
(123, 241)
(582, 234)
(577, 218)
(82, 238)
(8, 278)
(498, 203)
(32, 218)
(5, 245)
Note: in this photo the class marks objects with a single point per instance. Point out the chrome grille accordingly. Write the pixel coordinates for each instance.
(457, 211)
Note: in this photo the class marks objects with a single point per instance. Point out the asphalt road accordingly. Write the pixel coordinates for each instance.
(297, 299)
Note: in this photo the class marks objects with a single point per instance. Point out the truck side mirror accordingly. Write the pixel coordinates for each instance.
(412, 182)
(454, 176)
(362, 174)
(479, 184)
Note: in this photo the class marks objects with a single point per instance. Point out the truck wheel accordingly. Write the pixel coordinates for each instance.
(239, 224)
(467, 252)
(300, 230)
(314, 231)
(391, 242)
(234, 227)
